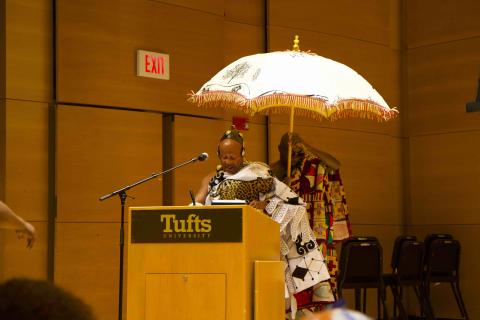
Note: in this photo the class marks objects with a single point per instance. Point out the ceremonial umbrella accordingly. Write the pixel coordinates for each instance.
(302, 83)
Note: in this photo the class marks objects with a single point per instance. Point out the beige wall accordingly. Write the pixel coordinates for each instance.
(109, 122)
(443, 41)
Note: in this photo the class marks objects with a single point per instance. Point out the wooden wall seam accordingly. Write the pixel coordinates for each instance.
(406, 210)
(52, 194)
(169, 3)
(3, 86)
(439, 133)
(3, 49)
(3, 148)
(52, 155)
(168, 145)
(429, 45)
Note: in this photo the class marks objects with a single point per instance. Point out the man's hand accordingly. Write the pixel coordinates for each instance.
(27, 233)
(257, 204)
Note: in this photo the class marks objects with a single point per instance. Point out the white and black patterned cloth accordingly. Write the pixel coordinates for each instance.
(304, 263)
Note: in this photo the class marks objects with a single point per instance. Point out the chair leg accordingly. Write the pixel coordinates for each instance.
(383, 299)
(420, 293)
(364, 300)
(334, 289)
(420, 299)
(394, 290)
(401, 308)
(379, 298)
(358, 297)
(427, 305)
(385, 311)
(458, 297)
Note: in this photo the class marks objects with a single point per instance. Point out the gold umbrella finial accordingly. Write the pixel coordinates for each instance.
(296, 47)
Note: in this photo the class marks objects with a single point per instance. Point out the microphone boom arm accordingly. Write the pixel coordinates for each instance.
(153, 176)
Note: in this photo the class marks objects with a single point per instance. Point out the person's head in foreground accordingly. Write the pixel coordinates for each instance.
(26, 299)
(337, 314)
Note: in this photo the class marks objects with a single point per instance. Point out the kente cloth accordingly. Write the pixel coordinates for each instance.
(324, 196)
(304, 264)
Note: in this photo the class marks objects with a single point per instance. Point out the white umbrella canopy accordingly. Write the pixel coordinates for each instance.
(298, 82)
(315, 86)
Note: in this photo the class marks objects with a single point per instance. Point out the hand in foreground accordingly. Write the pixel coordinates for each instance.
(257, 204)
(27, 233)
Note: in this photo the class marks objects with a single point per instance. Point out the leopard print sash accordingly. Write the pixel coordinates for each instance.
(243, 190)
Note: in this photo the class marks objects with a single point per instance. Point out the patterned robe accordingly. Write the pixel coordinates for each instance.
(322, 190)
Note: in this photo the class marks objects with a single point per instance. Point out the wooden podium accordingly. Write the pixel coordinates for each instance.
(211, 262)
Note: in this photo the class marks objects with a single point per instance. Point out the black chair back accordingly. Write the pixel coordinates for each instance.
(410, 262)
(396, 249)
(430, 238)
(362, 263)
(443, 259)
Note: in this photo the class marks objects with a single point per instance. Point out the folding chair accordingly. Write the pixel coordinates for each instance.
(442, 263)
(360, 267)
(407, 271)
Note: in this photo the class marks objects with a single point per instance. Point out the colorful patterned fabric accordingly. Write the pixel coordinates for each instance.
(304, 263)
(323, 193)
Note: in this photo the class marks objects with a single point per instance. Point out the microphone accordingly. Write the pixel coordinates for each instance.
(192, 197)
(202, 157)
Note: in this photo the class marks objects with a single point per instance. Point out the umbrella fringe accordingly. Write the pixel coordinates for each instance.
(366, 109)
(218, 99)
(305, 106)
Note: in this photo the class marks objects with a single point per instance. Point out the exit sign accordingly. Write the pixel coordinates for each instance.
(153, 65)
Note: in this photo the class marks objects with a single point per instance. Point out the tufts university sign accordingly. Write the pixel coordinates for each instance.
(187, 225)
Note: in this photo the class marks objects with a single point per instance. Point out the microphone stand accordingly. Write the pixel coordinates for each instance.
(122, 193)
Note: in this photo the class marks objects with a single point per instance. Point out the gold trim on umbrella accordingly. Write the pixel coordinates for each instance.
(305, 106)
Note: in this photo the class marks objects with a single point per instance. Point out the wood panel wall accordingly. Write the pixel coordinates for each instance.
(109, 122)
(443, 41)
(101, 70)
(99, 151)
(26, 81)
(26, 186)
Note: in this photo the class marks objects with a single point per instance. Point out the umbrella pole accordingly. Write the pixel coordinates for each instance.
(289, 162)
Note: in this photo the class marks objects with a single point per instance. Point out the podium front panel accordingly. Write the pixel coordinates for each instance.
(217, 277)
(189, 296)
